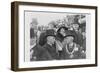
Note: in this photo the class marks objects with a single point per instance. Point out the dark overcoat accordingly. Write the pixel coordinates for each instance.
(51, 51)
(40, 54)
(79, 38)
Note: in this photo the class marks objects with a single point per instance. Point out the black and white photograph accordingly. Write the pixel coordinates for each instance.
(57, 36)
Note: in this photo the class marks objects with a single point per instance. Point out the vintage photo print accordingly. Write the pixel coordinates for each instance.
(56, 35)
(53, 36)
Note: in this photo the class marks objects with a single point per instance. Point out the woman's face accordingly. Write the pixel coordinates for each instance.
(62, 31)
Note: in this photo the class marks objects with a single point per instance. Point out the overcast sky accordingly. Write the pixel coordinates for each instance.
(43, 18)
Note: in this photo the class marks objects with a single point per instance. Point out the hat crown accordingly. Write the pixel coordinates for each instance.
(70, 33)
(50, 32)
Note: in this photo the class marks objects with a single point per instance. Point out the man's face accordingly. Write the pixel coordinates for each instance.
(51, 39)
(69, 39)
(75, 26)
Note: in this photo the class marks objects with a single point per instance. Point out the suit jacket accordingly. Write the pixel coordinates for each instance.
(51, 51)
(40, 54)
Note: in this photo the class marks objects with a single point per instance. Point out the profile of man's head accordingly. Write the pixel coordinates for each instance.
(51, 39)
(50, 36)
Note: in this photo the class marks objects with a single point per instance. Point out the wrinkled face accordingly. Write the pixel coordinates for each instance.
(51, 39)
(75, 26)
(69, 39)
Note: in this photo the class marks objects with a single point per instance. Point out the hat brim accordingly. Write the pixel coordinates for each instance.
(50, 35)
(69, 36)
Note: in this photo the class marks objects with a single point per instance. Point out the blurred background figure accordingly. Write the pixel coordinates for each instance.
(33, 30)
(52, 25)
(77, 33)
(83, 47)
(33, 35)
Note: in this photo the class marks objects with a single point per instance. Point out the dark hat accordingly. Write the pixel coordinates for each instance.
(50, 32)
(71, 33)
(65, 28)
(75, 23)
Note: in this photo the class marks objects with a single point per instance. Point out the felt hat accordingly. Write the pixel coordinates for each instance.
(71, 33)
(50, 32)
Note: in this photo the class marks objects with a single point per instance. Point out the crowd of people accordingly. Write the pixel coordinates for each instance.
(66, 41)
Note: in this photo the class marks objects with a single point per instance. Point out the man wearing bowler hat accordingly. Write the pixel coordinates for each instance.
(50, 46)
(48, 51)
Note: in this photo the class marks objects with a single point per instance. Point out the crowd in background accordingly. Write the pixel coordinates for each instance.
(60, 39)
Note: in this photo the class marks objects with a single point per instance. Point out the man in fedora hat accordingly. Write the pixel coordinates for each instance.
(40, 51)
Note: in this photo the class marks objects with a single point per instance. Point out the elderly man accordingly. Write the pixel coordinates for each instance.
(50, 46)
(48, 51)
(71, 50)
